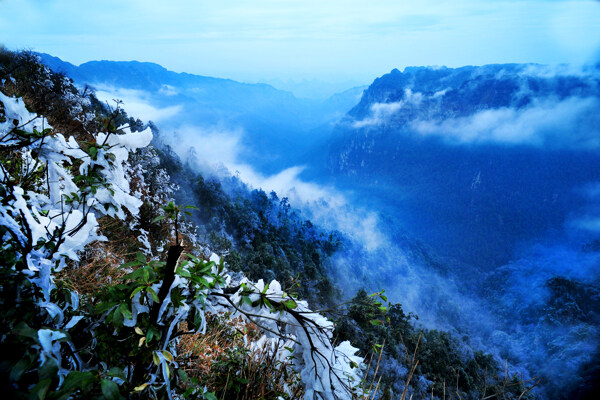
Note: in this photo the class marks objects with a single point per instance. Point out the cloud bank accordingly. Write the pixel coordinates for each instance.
(137, 103)
(572, 122)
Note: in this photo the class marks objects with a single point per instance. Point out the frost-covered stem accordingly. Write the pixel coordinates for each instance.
(248, 315)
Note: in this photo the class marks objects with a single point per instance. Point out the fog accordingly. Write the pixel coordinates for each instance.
(517, 309)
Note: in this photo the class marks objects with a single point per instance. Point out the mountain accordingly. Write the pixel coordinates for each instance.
(475, 160)
(109, 288)
(269, 122)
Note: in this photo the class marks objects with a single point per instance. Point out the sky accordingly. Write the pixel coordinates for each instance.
(295, 40)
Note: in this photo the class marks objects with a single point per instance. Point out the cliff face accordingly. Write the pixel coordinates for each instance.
(496, 152)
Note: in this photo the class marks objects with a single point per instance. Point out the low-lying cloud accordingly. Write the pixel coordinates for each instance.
(382, 112)
(572, 122)
(220, 149)
(137, 103)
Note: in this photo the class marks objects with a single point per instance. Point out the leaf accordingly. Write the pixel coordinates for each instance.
(210, 396)
(376, 322)
(74, 381)
(153, 295)
(126, 311)
(183, 272)
(19, 368)
(140, 257)
(136, 291)
(110, 390)
(130, 264)
(141, 342)
(247, 300)
(168, 356)
(41, 389)
(93, 152)
(48, 370)
(150, 335)
(104, 307)
(290, 304)
(267, 303)
(155, 358)
(117, 318)
(190, 207)
(138, 330)
(23, 329)
(117, 372)
(141, 387)
(159, 218)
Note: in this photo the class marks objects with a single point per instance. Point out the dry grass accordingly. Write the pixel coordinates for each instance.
(97, 267)
(224, 360)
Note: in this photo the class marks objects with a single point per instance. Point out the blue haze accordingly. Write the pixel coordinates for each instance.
(472, 194)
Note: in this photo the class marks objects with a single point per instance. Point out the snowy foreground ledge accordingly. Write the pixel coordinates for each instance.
(52, 220)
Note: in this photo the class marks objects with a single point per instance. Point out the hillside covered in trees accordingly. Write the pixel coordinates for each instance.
(125, 273)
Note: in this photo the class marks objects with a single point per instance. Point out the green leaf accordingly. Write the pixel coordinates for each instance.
(149, 335)
(376, 322)
(74, 381)
(140, 257)
(126, 311)
(267, 303)
(48, 370)
(159, 218)
(19, 368)
(183, 272)
(104, 307)
(210, 396)
(247, 300)
(93, 152)
(110, 390)
(130, 264)
(155, 358)
(290, 304)
(168, 356)
(23, 329)
(117, 372)
(40, 390)
(153, 295)
(117, 318)
(136, 291)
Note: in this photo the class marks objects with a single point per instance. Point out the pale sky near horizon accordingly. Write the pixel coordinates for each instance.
(335, 40)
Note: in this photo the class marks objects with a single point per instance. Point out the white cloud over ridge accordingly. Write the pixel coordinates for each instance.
(219, 149)
(137, 103)
(570, 123)
(382, 112)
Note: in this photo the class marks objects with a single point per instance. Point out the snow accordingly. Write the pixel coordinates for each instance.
(71, 211)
